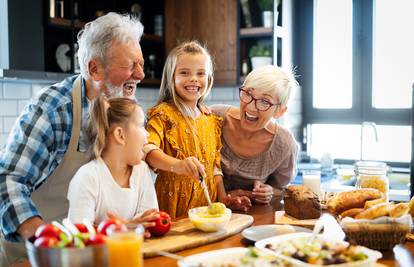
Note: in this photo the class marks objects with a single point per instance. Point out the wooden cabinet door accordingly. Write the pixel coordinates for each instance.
(212, 22)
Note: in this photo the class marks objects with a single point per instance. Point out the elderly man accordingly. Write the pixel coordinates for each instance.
(47, 146)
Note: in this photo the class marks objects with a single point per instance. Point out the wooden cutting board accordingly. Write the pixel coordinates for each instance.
(184, 235)
(282, 218)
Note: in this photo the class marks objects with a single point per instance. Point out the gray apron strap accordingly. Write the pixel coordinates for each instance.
(51, 197)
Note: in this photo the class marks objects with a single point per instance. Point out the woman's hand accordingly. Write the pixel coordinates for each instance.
(241, 203)
(145, 219)
(262, 193)
(189, 166)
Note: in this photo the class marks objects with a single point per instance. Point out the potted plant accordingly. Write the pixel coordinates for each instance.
(267, 11)
(260, 55)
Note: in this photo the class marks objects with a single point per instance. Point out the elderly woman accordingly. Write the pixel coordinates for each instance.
(258, 155)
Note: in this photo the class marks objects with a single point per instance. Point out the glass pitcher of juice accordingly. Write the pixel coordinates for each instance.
(125, 248)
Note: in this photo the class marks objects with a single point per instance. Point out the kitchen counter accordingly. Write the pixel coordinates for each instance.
(264, 214)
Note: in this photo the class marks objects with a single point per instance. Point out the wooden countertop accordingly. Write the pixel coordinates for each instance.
(265, 215)
(402, 255)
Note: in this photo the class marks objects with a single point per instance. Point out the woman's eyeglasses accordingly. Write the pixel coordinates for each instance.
(260, 104)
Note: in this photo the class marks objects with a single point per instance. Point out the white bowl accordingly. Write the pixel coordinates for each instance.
(208, 224)
(373, 255)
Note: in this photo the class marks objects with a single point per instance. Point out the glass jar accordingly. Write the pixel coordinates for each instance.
(372, 174)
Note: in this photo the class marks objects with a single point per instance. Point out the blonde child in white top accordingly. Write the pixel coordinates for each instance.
(116, 182)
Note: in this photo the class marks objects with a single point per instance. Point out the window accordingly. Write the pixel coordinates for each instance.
(361, 69)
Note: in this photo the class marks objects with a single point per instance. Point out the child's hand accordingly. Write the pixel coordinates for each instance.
(189, 166)
(241, 203)
(262, 193)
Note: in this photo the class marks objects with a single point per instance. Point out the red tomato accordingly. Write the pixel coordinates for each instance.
(103, 226)
(162, 224)
(46, 242)
(48, 230)
(81, 227)
(96, 240)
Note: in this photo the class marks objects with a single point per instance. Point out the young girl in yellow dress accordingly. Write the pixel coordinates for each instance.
(183, 142)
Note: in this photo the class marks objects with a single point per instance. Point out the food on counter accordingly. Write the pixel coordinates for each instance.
(351, 199)
(206, 222)
(301, 202)
(411, 207)
(56, 235)
(351, 212)
(374, 181)
(162, 224)
(46, 242)
(48, 230)
(217, 209)
(104, 225)
(81, 227)
(368, 204)
(376, 211)
(399, 210)
(319, 252)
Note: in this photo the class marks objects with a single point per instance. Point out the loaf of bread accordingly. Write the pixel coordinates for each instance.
(371, 203)
(351, 199)
(399, 210)
(376, 211)
(301, 202)
(351, 212)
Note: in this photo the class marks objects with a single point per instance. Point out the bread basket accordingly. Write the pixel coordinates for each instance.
(380, 234)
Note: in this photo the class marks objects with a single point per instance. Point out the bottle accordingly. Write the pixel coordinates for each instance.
(372, 174)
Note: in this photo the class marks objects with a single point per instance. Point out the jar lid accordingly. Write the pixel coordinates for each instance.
(370, 167)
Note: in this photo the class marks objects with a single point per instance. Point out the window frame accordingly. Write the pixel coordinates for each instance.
(362, 109)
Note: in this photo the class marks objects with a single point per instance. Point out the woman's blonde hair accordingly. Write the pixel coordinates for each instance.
(103, 116)
(167, 89)
(272, 79)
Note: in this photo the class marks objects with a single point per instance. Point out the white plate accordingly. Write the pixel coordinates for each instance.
(256, 233)
(230, 256)
(373, 255)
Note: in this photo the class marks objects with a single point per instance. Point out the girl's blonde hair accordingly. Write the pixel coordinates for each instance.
(103, 116)
(167, 89)
(272, 79)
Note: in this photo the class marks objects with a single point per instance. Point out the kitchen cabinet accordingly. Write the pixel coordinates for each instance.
(63, 23)
(213, 23)
(277, 38)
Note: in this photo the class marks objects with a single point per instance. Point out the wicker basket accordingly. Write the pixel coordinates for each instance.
(376, 235)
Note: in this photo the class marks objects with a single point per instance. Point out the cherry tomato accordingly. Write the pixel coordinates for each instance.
(103, 226)
(96, 240)
(46, 242)
(48, 230)
(162, 224)
(81, 227)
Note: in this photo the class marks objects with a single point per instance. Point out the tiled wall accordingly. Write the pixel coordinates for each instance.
(15, 94)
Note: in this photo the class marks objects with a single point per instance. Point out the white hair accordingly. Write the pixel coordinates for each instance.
(272, 79)
(96, 37)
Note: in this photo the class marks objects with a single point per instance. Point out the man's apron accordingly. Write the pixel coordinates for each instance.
(51, 197)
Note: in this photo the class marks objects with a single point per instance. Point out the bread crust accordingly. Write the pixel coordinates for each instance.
(376, 211)
(351, 212)
(351, 199)
(399, 210)
(371, 203)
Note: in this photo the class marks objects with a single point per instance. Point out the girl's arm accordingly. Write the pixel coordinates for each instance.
(189, 166)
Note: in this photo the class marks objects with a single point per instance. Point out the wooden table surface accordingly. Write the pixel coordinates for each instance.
(402, 255)
(264, 214)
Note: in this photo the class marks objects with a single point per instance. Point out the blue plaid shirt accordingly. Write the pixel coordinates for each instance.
(36, 145)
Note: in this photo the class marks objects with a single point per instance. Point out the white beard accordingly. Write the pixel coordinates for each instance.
(121, 91)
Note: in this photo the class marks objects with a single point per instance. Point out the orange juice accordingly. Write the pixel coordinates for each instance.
(124, 249)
